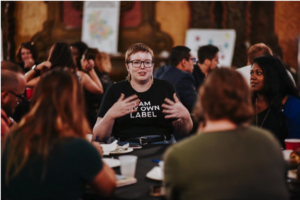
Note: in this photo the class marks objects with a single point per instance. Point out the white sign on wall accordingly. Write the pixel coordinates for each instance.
(100, 25)
(223, 39)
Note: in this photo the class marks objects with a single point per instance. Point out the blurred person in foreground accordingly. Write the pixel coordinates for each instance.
(141, 109)
(208, 60)
(12, 90)
(228, 158)
(275, 98)
(47, 156)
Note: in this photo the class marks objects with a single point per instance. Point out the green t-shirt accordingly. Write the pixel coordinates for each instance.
(245, 163)
(71, 164)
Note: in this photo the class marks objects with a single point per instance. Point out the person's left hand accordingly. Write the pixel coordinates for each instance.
(174, 109)
(90, 64)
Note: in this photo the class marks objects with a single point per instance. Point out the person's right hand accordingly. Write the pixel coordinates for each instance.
(124, 106)
(28, 63)
(46, 64)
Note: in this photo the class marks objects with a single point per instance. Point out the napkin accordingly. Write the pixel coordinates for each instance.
(109, 147)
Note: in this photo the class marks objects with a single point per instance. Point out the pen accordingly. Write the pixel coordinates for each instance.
(155, 160)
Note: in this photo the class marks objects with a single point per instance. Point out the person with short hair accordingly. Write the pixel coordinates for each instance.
(141, 109)
(275, 98)
(228, 158)
(208, 59)
(48, 149)
(179, 73)
(12, 90)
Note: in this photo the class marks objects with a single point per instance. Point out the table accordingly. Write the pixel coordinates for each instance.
(141, 189)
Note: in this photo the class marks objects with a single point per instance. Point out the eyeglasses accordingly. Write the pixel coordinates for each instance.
(138, 63)
(193, 60)
(20, 96)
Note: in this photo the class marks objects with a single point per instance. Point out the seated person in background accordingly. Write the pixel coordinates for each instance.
(61, 56)
(228, 158)
(27, 56)
(256, 50)
(12, 89)
(275, 98)
(92, 100)
(208, 57)
(179, 73)
(77, 49)
(103, 68)
(141, 109)
(47, 155)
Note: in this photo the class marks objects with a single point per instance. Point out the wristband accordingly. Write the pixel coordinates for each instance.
(34, 68)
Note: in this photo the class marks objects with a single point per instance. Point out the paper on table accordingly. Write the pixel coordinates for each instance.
(123, 180)
(109, 147)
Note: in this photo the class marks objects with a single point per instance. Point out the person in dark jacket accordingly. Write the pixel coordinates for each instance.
(179, 73)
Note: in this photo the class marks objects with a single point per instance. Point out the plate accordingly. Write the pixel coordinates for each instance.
(121, 151)
(292, 174)
(155, 173)
(111, 162)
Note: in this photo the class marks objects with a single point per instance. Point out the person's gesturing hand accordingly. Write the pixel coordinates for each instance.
(124, 106)
(174, 109)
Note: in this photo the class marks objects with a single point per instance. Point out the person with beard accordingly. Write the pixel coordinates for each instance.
(12, 89)
(208, 59)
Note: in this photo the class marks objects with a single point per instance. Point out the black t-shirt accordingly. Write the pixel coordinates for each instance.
(71, 164)
(149, 119)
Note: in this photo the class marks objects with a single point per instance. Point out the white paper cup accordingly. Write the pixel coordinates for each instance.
(286, 154)
(161, 165)
(128, 165)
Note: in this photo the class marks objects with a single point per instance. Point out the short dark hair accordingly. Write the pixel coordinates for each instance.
(7, 65)
(27, 45)
(257, 50)
(178, 53)
(277, 83)
(91, 53)
(81, 46)
(207, 52)
(9, 80)
(225, 94)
